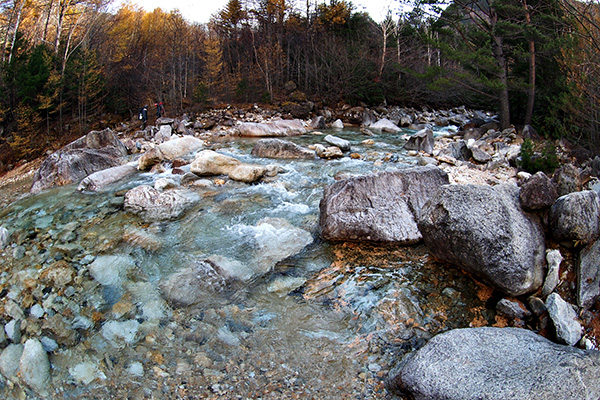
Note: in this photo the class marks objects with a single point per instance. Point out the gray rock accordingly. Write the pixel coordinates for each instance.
(512, 308)
(4, 237)
(537, 192)
(564, 317)
(480, 155)
(576, 217)
(337, 124)
(34, 366)
(9, 360)
(588, 276)
(169, 151)
(48, 344)
(318, 122)
(484, 231)
(121, 333)
(208, 162)
(566, 180)
(421, 141)
(277, 148)
(342, 144)
(381, 207)
(164, 134)
(328, 152)
(385, 125)
(247, 173)
(101, 179)
(13, 330)
(554, 258)
(497, 364)
(272, 129)
(460, 151)
(96, 151)
(153, 205)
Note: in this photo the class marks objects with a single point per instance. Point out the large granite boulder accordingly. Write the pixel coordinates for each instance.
(497, 363)
(588, 276)
(93, 152)
(483, 230)
(277, 148)
(169, 150)
(271, 129)
(382, 207)
(155, 205)
(576, 217)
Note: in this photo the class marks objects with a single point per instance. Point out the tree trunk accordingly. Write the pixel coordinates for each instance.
(503, 76)
(532, 72)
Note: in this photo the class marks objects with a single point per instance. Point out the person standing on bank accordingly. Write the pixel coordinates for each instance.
(144, 116)
(160, 109)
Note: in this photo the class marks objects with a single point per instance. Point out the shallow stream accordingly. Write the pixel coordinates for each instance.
(327, 323)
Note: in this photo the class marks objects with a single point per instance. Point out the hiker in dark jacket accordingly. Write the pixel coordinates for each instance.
(160, 109)
(144, 116)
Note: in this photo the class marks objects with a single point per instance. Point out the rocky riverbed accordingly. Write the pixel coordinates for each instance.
(91, 280)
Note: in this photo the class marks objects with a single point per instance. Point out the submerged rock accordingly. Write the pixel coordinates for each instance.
(497, 363)
(154, 205)
(483, 230)
(381, 207)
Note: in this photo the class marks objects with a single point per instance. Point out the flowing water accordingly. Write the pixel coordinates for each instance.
(327, 323)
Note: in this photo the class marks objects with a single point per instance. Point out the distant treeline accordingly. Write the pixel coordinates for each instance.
(69, 65)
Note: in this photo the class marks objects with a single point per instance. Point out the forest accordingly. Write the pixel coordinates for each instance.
(69, 66)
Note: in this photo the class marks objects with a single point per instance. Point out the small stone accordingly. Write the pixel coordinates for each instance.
(119, 333)
(13, 330)
(568, 329)
(554, 258)
(512, 308)
(87, 372)
(136, 369)
(48, 344)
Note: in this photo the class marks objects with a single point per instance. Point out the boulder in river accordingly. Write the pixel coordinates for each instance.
(93, 152)
(209, 162)
(169, 150)
(277, 148)
(101, 179)
(385, 125)
(381, 207)
(342, 144)
(483, 230)
(421, 141)
(497, 364)
(272, 129)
